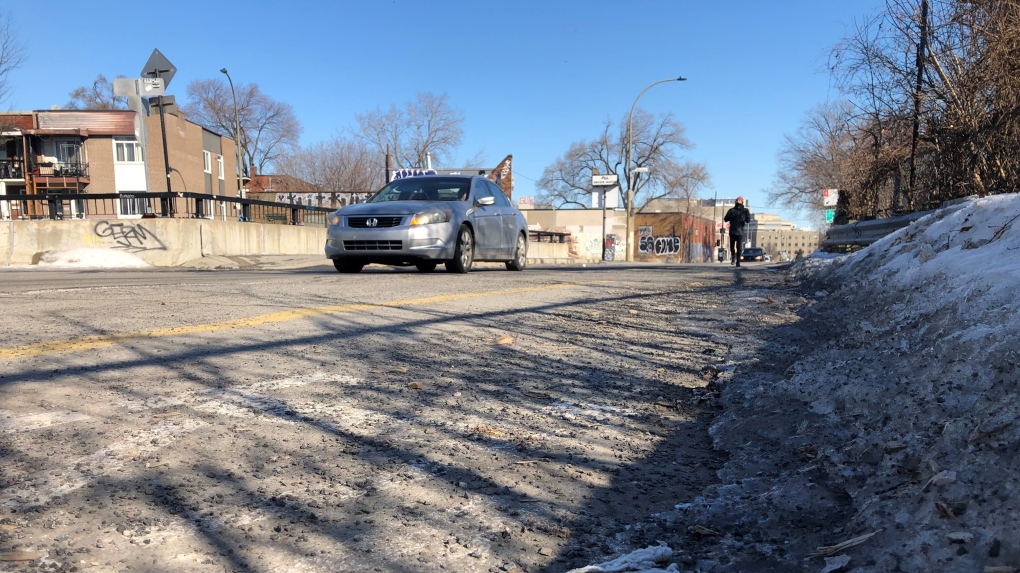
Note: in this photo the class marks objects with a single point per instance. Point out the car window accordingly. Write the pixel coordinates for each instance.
(501, 199)
(423, 189)
(481, 189)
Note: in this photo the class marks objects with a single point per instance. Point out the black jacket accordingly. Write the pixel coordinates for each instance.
(738, 217)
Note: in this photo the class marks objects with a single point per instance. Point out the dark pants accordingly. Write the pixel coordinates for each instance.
(736, 247)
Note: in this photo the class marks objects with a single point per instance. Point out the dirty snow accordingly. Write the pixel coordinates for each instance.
(889, 409)
(91, 258)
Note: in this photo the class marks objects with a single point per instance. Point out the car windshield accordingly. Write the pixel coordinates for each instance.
(424, 189)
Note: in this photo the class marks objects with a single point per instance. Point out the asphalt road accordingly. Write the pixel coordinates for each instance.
(303, 420)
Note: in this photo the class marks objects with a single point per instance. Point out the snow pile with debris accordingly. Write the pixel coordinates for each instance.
(925, 371)
(91, 258)
(883, 427)
(645, 560)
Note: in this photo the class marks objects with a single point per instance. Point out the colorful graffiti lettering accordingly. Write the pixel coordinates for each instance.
(132, 238)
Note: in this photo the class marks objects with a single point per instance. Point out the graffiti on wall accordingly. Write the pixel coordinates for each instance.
(401, 173)
(659, 246)
(609, 253)
(128, 237)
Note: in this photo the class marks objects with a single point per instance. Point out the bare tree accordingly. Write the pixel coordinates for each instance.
(815, 157)
(424, 127)
(338, 165)
(12, 53)
(935, 86)
(658, 143)
(268, 128)
(683, 182)
(97, 96)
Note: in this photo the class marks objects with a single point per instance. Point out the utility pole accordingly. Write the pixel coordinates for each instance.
(922, 48)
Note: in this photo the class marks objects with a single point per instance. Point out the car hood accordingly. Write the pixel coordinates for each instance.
(395, 208)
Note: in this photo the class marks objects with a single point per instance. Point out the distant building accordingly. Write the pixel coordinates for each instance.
(289, 189)
(502, 174)
(781, 239)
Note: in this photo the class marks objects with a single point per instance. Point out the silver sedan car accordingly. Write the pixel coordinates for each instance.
(426, 220)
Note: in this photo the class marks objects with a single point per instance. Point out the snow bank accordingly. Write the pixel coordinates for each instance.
(889, 408)
(92, 258)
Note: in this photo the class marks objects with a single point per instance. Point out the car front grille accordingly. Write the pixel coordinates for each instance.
(373, 245)
(367, 222)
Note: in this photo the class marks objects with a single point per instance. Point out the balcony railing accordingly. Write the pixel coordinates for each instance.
(71, 169)
(10, 169)
(62, 169)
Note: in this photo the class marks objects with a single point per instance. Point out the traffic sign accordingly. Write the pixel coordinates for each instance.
(169, 103)
(159, 67)
(830, 197)
(152, 87)
(604, 180)
(830, 216)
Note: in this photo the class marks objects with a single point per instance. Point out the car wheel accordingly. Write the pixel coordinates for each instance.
(520, 259)
(426, 266)
(347, 266)
(464, 253)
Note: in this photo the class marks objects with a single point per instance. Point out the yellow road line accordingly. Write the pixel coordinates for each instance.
(102, 341)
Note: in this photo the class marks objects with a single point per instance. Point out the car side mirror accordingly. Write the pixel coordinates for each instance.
(490, 200)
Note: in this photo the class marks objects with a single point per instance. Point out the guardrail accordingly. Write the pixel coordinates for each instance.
(59, 206)
(864, 233)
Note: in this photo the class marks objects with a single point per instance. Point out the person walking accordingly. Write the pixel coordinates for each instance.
(738, 217)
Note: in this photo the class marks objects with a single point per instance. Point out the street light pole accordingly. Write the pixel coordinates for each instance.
(237, 130)
(630, 153)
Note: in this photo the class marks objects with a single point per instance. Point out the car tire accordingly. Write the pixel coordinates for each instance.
(347, 266)
(426, 266)
(463, 253)
(520, 259)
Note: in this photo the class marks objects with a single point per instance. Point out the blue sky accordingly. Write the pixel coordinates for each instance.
(530, 77)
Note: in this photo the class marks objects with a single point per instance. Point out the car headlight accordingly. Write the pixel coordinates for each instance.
(335, 219)
(431, 217)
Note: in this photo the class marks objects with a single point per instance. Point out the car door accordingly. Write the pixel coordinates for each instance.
(508, 221)
(487, 222)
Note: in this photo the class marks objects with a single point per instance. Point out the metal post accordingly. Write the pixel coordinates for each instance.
(603, 223)
(156, 72)
(237, 132)
(166, 153)
(630, 152)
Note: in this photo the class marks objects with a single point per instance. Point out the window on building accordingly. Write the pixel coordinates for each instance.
(219, 166)
(127, 150)
(207, 159)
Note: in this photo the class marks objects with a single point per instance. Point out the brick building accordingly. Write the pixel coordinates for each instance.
(96, 151)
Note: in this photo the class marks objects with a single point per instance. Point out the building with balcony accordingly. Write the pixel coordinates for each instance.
(62, 152)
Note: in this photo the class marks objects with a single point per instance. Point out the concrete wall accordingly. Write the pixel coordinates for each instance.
(173, 242)
(585, 227)
(159, 242)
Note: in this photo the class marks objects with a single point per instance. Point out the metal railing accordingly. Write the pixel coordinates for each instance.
(10, 169)
(548, 236)
(70, 169)
(63, 206)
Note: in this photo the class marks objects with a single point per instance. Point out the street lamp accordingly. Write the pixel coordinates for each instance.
(630, 172)
(237, 130)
